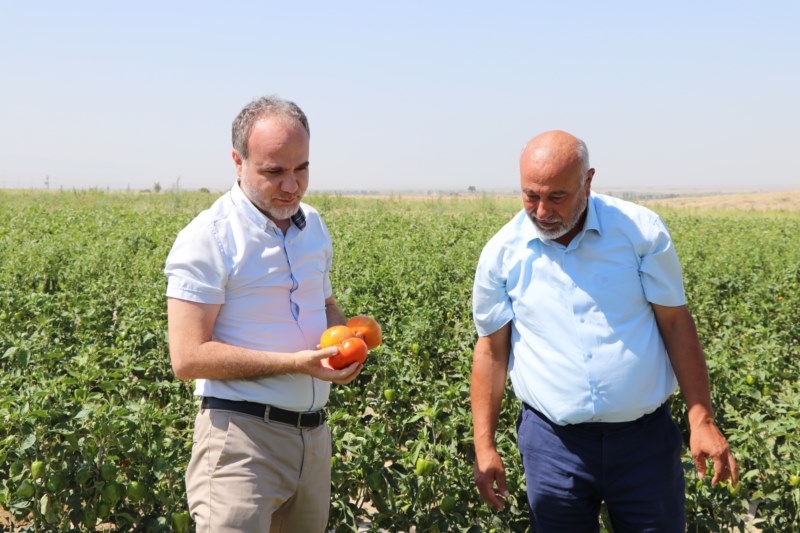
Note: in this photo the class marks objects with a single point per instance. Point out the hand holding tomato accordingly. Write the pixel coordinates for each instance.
(315, 364)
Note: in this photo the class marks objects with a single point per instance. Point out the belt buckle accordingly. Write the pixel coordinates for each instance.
(266, 413)
(299, 423)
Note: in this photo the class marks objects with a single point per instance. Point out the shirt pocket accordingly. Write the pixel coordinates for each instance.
(616, 291)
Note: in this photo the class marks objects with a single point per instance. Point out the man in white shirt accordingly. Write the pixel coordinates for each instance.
(580, 298)
(249, 295)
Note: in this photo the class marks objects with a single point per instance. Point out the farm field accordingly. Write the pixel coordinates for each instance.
(96, 431)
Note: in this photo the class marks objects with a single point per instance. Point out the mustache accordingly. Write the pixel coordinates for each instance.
(545, 220)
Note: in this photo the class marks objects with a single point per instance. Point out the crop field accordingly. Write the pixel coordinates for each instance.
(95, 431)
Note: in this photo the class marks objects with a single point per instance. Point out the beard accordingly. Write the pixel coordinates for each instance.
(266, 206)
(563, 227)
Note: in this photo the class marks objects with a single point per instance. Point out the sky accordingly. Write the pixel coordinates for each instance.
(411, 95)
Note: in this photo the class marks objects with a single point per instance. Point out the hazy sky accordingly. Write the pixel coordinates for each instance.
(402, 95)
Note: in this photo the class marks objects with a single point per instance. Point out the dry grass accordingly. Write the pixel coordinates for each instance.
(787, 201)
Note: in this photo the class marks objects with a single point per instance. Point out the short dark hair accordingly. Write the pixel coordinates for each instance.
(266, 106)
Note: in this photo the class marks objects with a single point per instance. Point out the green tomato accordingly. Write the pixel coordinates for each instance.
(415, 348)
(103, 510)
(181, 521)
(389, 394)
(25, 490)
(37, 469)
(136, 491)
(108, 472)
(83, 475)
(55, 482)
(448, 503)
(794, 480)
(750, 380)
(111, 493)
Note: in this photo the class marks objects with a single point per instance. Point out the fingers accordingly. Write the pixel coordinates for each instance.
(733, 468)
(700, 464)
(324, 353)
(720, 471)
(725, 467)
(349, 373)
(485, 482)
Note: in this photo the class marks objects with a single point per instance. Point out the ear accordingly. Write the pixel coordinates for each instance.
(588, 183)
(237, 162)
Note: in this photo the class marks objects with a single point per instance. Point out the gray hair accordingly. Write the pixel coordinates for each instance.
(583, 155)
(264, 107)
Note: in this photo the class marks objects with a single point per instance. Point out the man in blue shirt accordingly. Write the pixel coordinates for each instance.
(580, 299)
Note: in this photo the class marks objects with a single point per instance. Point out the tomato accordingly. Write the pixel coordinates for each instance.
(424, 467)
(103, 510)
(389, 395)
(350, 350)
(750, 380)
(55, 482)
(794, 480)
(334, 335)
(37, 469)
(448, 503)
(25, 489)
(108, 471)
(112, 493)
(180, 521)
(136, 491)
(415, 348)
(369, 328)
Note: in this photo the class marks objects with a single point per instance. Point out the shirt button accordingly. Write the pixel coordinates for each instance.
(587, 356)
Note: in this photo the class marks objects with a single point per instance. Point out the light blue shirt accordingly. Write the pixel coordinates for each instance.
(272, 288)
(585, 346)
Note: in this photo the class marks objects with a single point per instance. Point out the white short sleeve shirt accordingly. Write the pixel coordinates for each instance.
(272, 288)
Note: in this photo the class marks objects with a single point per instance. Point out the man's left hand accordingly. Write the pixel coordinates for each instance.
(706, 441)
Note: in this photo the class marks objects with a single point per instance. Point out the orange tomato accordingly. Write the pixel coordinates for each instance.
(350, 351)
(334, 335)
(369, 328)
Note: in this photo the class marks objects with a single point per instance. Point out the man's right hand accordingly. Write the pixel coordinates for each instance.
(490, 477)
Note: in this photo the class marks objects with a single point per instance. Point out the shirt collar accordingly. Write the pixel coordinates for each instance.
(243, 203)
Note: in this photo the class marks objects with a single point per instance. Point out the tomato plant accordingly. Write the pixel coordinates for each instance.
(85, 378)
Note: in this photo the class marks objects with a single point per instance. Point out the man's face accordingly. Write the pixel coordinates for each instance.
(275, 175)
(555, 201)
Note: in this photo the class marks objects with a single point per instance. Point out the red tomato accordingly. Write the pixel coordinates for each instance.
(334, 335)
(369, 328)
(350, 351)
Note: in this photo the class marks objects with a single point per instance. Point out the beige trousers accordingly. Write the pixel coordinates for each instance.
(248, 475)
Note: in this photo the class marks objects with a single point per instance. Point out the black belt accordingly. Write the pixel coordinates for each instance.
(308, 419)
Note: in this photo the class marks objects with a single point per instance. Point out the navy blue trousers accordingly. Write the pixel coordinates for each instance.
(635, 467)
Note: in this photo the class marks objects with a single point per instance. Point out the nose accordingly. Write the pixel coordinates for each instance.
(542, 209)
(289, 183)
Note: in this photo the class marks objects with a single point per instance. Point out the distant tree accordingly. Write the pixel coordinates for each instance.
(472, 188)
(157, 187)
(204, 189)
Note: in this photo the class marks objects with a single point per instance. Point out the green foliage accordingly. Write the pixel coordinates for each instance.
(97, 430)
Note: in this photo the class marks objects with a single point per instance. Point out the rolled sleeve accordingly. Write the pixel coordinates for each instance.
(662, 278)
(196, 269)
(491, 305)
